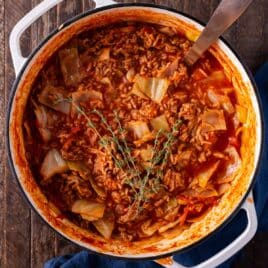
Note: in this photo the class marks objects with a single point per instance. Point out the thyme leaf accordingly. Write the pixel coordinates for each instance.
(142, 183)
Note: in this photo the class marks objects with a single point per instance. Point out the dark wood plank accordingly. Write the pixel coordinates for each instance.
(17, 213)
(2, 133)
(68, 9)
(251, 40)
(173, 4)
(42, 241)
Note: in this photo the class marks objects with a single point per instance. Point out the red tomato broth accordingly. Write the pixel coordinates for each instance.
(76, 141)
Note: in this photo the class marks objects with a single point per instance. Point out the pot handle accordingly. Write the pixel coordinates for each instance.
(236, 245)
(15, 35)
(101, 3)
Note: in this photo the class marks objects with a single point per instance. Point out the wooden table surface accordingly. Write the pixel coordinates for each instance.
(25, 240)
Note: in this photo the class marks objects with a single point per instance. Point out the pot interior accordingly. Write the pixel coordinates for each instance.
(179, 239)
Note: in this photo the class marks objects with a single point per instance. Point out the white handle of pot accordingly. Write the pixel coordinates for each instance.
(15, 35)
(236, 245)
(101, 3)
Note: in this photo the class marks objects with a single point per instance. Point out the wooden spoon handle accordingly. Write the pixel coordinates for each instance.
(224, 16)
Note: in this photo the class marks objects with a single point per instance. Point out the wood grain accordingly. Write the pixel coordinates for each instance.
(251, 40)
(17, 211)
(2, 142)
(25, 240)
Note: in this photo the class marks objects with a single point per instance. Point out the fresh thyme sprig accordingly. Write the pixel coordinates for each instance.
(122, 132)
(154, 170)
(114, 137)
(142, 193)
(170, 140)
(103, 141)
(157, 157)
(124, 149)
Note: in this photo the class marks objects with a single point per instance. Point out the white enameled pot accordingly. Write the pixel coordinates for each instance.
(239, 197)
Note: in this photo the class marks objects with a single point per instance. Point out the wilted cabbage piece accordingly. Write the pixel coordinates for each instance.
(42, 122)
(55, 98)
(88, 217)
(213, 120)
(204, 175)
(130, 75)
(141, 132)
(53, 164)
(171, 204)
(45, 134)
(136, 91)
(227, 105)
(104, 54)
(89, 210)
(139, 129)
(147, 154)
(28, 130)
(105, 226)
(148, 228)
(199, 192)
(167, 30)
(78, 166)
(84, 172)
(106, 81)
(223, 188)
(221, 100)
(154, 88)
(160, 123)
(81, 96)
(234, 160)
(41, 116)
(168, 226)
(171, 209)
(70, 64)
(84, 96)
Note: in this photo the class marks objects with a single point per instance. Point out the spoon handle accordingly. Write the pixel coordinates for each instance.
(225, 15)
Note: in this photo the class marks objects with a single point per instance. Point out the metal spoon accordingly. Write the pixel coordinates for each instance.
(224, 16)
